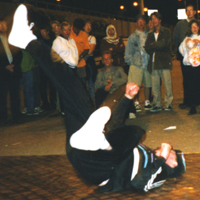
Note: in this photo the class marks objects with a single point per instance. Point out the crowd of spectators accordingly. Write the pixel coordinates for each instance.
(147, 54)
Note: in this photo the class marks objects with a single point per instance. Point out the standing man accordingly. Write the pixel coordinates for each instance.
(137, 58)
(81, 39)
(56, 28)
(109, 78)
(10, 75)
(158, 46)
(179, 35)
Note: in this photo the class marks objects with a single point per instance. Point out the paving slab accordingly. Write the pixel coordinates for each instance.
(34, 165)
(53, 178)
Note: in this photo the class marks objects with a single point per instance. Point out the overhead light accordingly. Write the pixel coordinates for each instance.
(121, 7)
(135, 3)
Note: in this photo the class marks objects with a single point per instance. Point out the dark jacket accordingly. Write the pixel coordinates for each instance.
(17, 57)
(161, 48)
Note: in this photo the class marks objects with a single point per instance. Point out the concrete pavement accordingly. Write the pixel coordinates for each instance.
(34, 165)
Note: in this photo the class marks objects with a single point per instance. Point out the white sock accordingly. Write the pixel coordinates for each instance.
(90, 136)
(147, 102)
(136, 103)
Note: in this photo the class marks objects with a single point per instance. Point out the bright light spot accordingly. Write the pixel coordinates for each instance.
(145, 9)
(149, 11)
(58, 0)
(181, 14)
(135, 3)
(121, 7)
(198, 11)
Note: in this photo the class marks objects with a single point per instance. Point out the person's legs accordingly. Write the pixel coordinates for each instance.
(166, 78)
(3, 100)
(43, 90)
(27, 81)
(155, 77)
(36, 83)
(52, 94)
(147, 84)
(186, 86)
(135, 75)
(14, 90)
(193, 76)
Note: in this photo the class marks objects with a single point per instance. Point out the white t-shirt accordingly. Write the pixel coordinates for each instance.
(92, 40)
(156, 37)
(67, 50)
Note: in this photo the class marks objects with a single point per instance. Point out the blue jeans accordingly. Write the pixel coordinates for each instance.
(36, 85)
(27, 82)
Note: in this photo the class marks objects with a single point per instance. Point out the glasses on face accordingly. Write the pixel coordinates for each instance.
(107, 58)
(190, 10)
(54, 27)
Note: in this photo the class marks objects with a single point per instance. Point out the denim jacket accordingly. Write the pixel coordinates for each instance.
(134, 52)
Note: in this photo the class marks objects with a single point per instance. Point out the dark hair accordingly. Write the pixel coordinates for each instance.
(189, 32)
(79, 23)
(38, 16)
(55, 22)
(64, 24)
(88, 21)
(106, 52)
(140, 16)
(157, 15)
(192, 5)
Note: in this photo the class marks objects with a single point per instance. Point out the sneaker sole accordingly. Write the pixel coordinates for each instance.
(156, 110)
(138, 110)
(147, 108)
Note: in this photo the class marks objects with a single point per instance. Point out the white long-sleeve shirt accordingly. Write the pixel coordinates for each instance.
(67, 50)
(190, 51)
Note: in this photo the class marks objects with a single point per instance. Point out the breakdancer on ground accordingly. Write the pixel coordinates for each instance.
(104, 150)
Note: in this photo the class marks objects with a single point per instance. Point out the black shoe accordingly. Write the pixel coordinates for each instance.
(156, 109)
(168, 108)
(192, 111)
(182, 106)
(148, 107)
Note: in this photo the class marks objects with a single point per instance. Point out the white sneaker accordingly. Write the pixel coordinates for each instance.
(138, 108)
(24, 111)
(38, 109)
(132, 116)
(90, 136)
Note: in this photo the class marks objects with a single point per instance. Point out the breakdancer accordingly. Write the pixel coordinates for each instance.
(100, 146)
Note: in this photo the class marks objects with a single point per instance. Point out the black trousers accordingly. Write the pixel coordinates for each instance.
(95, 166)
(11, 85)
(193, 77)
(186, 83)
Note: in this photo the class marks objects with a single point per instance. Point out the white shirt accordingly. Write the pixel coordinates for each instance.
(92, 40)
(67, 50)
(156, 38)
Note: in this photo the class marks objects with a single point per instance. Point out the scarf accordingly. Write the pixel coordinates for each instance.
(111, 39)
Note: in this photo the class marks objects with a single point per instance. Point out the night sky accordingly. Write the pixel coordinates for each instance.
(168, 8)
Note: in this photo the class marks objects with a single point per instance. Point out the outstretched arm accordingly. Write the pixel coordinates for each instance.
(119, 111)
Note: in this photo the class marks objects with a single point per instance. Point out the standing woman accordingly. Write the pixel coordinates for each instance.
(190, 50)
(114, 44)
